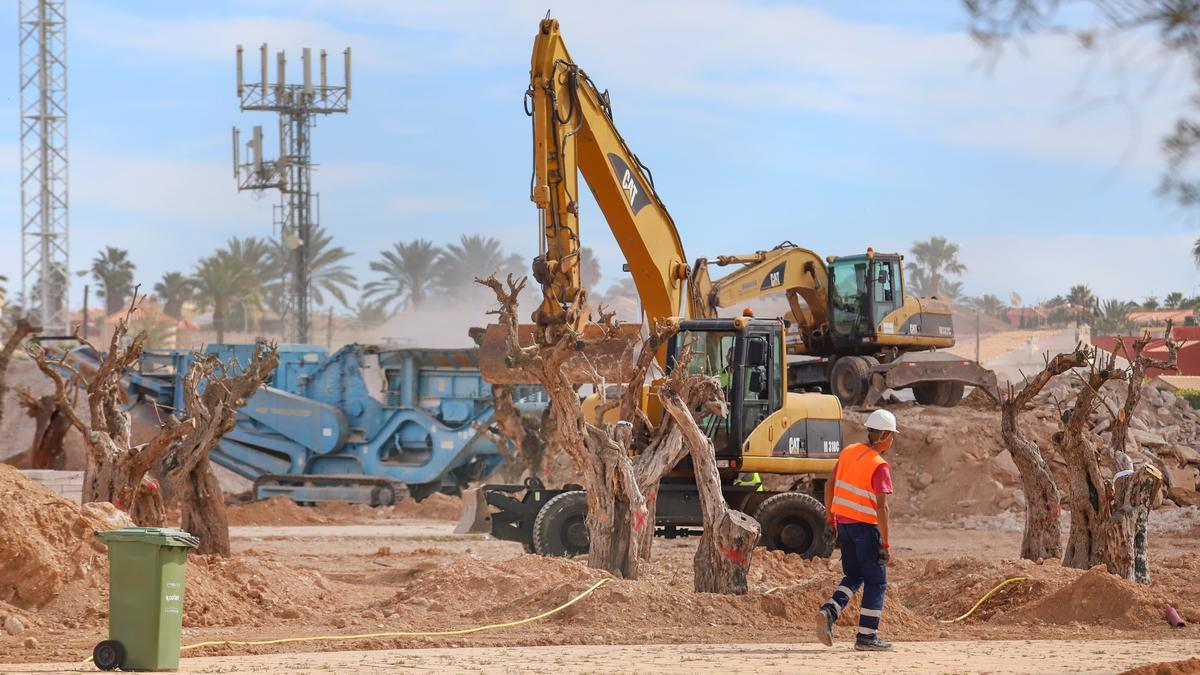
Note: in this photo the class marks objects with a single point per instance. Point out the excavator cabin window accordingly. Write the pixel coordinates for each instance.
(748, 364)
(849, 298)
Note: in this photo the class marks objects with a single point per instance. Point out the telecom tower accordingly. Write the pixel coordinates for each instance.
(45, 271)
(298, 106)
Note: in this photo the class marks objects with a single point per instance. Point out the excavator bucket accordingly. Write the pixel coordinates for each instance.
(916, 368)
(612, 359)
(475, 518)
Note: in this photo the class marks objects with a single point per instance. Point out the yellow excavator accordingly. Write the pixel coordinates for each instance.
(769, 430)
(853, 328)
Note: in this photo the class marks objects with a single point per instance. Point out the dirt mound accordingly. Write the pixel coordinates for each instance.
(1099, 598)
(948, 462)
(46, 541)
(248, 590)
(436, 506)
(273, 511)
(1187, 667)
(283, 511)
(54, 570)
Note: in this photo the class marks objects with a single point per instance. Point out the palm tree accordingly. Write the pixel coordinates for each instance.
(988, 304)
(1114, 316)
(1196, 252)
(369, 314)
(231, 275)
(935, 259)
(409, 273)
(326, 272)
(1150, 304)
(174, 290)
(1174, 300)
(113, 270)
(589, 268)
(1081, 296)
(473, 256)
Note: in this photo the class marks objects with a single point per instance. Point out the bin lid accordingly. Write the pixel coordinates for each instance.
(162, 536)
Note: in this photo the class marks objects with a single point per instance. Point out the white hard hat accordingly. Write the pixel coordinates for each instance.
(882, 420)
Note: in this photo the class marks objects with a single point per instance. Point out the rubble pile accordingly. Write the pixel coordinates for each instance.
(1163, 431)
(952, 462)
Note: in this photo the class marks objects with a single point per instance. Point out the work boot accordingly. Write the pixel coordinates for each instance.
(824, 624)
(871, 643)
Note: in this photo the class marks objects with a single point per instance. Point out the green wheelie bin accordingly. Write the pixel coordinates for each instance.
(145, 598)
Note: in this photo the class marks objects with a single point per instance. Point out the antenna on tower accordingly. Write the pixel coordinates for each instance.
(291, 171)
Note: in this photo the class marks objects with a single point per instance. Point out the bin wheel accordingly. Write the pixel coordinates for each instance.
(108, 655)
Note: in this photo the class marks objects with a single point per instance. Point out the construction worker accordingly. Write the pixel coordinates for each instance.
(750, 479)
(856, 500)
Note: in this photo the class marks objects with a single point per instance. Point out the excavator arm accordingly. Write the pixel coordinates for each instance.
(798, 272)
(573, 133)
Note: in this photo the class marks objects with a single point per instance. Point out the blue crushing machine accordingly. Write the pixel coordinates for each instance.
(366, 424)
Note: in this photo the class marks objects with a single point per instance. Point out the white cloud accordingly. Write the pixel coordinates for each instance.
(1043, 102)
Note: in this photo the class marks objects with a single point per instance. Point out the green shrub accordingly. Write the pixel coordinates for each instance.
(1192, 396)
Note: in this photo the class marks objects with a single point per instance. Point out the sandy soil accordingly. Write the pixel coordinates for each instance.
(416, 575)
(916, 658)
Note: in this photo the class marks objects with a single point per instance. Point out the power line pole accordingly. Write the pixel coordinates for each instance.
(291, 173)
(45, 275)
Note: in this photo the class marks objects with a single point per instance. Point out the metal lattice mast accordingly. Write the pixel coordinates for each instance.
(298, 106)
(45, 267)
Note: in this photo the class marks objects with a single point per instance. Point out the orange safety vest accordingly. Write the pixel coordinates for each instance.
(853, 494)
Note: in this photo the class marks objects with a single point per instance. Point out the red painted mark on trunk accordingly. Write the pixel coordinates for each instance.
(639, 523)
(735, 555)
(1054, 509)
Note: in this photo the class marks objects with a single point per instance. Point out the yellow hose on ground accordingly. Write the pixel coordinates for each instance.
(987, 595)
(369, 636)
(971, 611)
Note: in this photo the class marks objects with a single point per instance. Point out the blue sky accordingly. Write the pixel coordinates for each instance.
(833, 125)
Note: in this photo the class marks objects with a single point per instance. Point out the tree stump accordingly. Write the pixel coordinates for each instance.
(22, 330)
(50, 430)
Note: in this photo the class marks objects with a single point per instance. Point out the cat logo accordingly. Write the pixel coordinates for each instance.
(795, 445)
(635, 192)
(773, 278)
(629, 186)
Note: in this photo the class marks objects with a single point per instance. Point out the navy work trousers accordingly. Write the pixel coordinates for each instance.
(860, 543)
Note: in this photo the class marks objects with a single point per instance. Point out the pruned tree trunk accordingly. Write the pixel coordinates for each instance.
(22, 330)
(621, 489)
(50, 430)
(722, 561)
(116, 470)
(1089, 493)
(524, 434)
(1042, 537)
(211, 414)
(1109, 517)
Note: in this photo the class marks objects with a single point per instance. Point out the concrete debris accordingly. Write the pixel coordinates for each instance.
(13, 625)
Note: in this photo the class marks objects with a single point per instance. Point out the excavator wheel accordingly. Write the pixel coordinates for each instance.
(848, 379)
(560, 528)
(794, 522)
(952, 394)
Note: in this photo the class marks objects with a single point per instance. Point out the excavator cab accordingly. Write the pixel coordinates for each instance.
(746, 356)
(863, 291)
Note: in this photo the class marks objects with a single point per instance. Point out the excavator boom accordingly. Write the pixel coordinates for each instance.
(573, 133)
